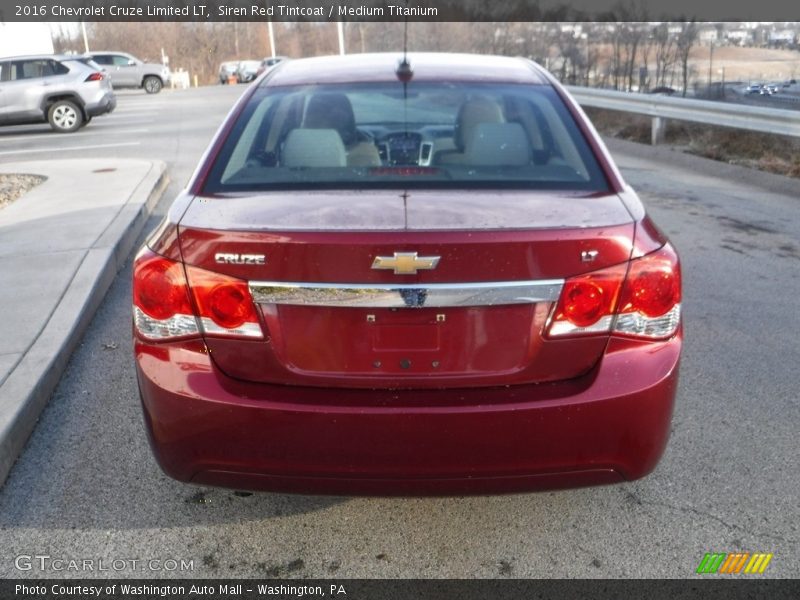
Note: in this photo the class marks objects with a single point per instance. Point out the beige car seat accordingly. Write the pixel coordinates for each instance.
(473, 112)
(334, 111)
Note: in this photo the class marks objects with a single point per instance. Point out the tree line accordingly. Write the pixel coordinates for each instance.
(623, 55)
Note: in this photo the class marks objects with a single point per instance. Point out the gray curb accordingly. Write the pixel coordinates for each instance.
(28, 388)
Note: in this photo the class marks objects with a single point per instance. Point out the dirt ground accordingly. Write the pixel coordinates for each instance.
(746, 64)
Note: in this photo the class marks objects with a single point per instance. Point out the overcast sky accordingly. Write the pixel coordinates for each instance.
(25, 38)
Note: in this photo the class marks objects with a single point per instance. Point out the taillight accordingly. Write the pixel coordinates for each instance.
(162, 301)
(225, 306)
(161, 306)
(587, 303)
(645, 303)
(96, 76)
(650, 304)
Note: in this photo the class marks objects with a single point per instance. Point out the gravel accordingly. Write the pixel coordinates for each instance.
(13, 186)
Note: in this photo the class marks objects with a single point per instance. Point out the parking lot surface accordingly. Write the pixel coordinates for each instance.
(87, 487)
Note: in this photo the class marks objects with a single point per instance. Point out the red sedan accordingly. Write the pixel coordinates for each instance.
(420, 276)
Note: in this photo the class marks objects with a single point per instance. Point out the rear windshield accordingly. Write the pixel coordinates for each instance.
(432, 135)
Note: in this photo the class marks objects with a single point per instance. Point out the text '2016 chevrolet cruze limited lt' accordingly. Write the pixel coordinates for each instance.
(407, 277)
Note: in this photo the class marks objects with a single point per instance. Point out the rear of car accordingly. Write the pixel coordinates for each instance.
(226, 71)
(246, 70)
(95, 88)
(64, 91)
(424, 280)
(268, 63)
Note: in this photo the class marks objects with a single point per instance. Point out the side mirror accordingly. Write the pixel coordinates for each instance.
(131, 63)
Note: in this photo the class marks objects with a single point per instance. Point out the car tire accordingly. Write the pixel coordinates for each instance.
(152, 84)
(64, 116)
(86, 121)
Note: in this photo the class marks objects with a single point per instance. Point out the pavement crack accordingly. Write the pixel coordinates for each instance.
(713, 517)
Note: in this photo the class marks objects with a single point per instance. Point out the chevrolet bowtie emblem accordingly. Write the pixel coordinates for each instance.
(405, 263)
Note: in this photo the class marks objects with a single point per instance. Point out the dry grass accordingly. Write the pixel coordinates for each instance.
(13, 186)
(766, 152)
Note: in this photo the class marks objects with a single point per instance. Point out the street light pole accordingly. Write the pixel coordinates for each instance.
(710, 63)
(85, 38)
(340, 27)
(271, 38)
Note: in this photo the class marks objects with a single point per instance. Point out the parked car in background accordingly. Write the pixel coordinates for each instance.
(227, 70)
(246, 71)
(268, 63)
(754, 88)
(663, 90)
(65, 91)
(420, 280)
(127, 71)
(772, 88)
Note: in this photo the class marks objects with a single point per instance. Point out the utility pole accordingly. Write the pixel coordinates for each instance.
(340, 28)
(710, 64)
(271, 38)
(85, 38)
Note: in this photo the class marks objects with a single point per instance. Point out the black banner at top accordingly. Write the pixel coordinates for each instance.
(397, 10)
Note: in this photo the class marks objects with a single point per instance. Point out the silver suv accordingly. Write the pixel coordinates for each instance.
(127, 71)
(65, 91)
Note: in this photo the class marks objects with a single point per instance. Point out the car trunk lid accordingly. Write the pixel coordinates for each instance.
(476, 318)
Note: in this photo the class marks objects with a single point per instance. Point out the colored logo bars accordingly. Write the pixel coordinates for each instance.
(737, 562)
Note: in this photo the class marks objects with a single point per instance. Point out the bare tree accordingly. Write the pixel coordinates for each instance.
(664, 53)
(647, 45)
(686, 39)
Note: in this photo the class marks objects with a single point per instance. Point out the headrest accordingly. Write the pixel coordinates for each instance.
(498, 145)
(472, 112)
(313, 148)
(332, 111)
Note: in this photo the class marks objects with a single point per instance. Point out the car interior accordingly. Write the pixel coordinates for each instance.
(330, 134)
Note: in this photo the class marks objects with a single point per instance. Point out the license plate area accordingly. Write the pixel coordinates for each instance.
(404, 330)
(401, 342)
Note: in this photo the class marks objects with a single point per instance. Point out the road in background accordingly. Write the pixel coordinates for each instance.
(87, 486)
(173, 126)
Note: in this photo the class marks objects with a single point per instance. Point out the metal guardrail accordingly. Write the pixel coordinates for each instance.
(660, 108)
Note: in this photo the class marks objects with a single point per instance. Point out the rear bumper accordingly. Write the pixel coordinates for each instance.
(106, 104)
(610, 425)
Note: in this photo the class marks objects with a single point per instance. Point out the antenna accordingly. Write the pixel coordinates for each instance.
(404, 72)
(405, 36)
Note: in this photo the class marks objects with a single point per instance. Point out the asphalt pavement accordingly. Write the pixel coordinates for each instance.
(87, 487)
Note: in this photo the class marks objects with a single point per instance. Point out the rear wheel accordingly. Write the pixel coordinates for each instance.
(152, 84)
(64, 116)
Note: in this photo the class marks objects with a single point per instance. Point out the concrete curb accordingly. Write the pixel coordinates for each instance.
(28, 388)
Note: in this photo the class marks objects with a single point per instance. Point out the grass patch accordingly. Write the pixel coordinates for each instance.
(764, 151)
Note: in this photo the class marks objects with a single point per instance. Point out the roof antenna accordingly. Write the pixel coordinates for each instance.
(404, 73)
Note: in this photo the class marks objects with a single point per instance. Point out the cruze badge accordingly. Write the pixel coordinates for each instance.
(405, 263)
(226, 258)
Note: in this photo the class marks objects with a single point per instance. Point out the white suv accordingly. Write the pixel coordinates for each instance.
(65, 91)
(127, 71)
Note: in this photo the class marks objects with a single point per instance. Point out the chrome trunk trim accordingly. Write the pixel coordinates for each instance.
(434, 295)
